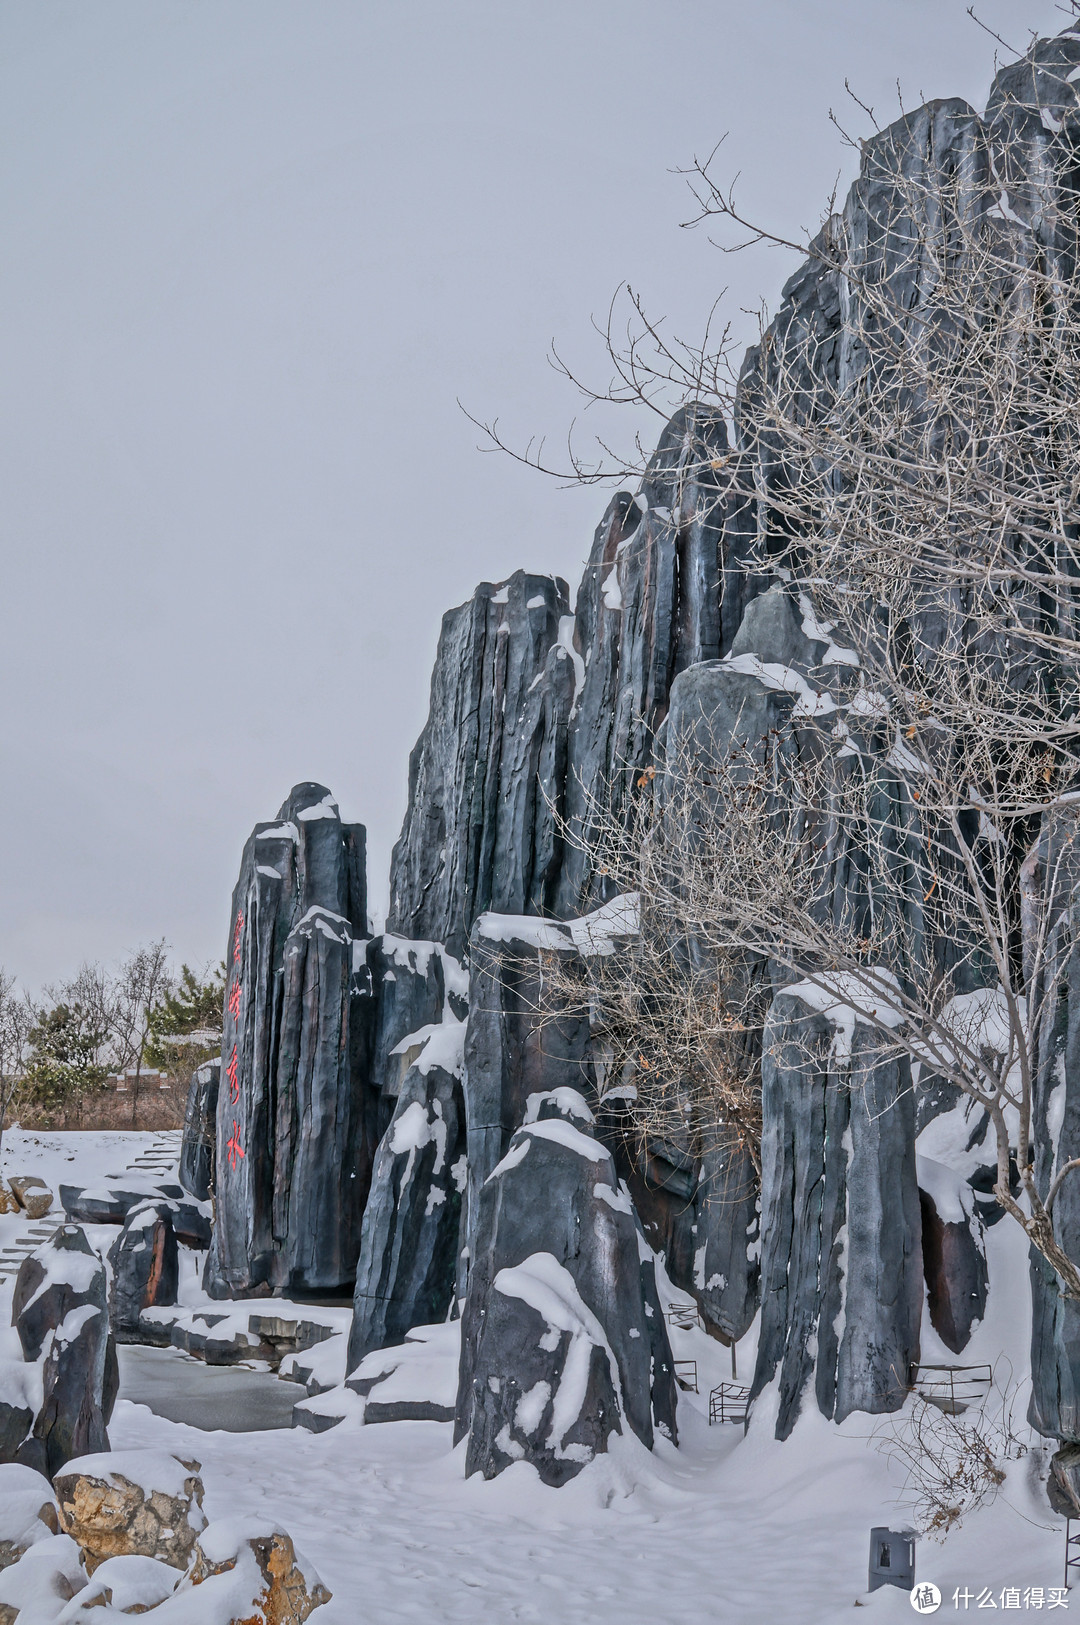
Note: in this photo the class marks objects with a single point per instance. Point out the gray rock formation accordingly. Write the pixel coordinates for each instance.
(60, 1311)
(200, 1122)
(514, 1050)
(337, 1099)
(409, 1244)
(841, 1264)
(478, 832)
(1055, 1332)
(563, 1338)
(296, 1123)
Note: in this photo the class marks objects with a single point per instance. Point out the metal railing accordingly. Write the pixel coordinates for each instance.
(728, 1403)
(952, 1388)
(686, 1375)
(686, 1316)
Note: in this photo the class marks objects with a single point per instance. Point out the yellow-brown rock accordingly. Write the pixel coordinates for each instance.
(32, 1194)
(233, 1562)
(140, 1503)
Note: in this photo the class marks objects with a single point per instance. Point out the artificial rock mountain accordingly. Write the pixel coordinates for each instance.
(392, 1118)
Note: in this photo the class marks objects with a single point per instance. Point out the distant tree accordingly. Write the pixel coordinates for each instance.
(98, 1022)
(185, 1028)
(16, 1019)
(66, 1058)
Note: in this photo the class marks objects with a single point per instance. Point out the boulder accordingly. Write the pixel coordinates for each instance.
(60, 1311)
(128, 1585)
(297, 1122)
(563, 1337)
(28, 1511)
(196, 1172)
(145, 1268)
(1063, 1484)
(545, 1387)
(32, 1195)
(42, 1581)
(256, 1572)
(111, 1204)
(190, 1223)
(132, 1503)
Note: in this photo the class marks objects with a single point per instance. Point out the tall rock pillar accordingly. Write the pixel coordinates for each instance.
(296, 1124)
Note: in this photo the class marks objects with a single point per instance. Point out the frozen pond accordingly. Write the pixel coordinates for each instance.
(210, 1397)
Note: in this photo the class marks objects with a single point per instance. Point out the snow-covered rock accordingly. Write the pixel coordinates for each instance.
(563, 1338)
(132, 1503)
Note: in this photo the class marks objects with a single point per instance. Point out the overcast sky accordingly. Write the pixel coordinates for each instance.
(253, 252)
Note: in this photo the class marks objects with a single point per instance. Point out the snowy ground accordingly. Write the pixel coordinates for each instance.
(726, 1528)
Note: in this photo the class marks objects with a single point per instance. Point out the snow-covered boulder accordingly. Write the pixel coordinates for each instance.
(41, 1582)
(60, 1311)
(28, 1512)
(243, 1573)
(132, 1503)
(563, 1337)
(414, 1382)
(32, 1194)
(111, 1203)
(145, 1268)
(121, 1586)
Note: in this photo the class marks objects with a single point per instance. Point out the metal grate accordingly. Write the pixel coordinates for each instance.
(728, 1403)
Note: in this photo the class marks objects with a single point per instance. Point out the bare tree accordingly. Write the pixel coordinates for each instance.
(902, 851)
(138, 990)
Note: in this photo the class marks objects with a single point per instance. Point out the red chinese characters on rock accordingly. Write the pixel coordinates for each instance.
(233, 1146)
(231, 1071)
